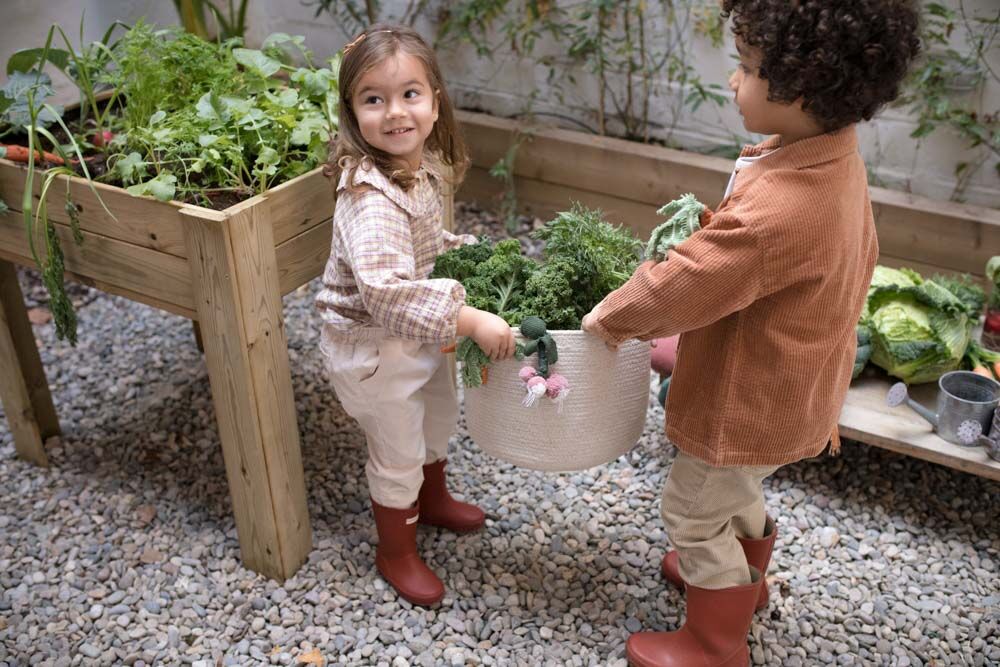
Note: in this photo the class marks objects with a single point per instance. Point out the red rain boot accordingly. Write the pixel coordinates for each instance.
(714, 633)
(758, 553)
(397, 559)
(438, 508)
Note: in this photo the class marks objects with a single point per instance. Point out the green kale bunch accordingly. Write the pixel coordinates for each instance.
(585, 258)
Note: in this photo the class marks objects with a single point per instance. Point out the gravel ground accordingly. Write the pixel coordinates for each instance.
(125, 552)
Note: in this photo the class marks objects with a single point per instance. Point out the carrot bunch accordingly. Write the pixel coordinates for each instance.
(982, 361)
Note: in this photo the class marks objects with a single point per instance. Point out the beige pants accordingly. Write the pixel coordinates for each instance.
(705, 509)
(402, 394)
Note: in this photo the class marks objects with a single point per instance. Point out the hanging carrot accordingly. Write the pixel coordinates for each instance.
(16, 153)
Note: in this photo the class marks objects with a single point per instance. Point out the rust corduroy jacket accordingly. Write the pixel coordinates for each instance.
(766, 297)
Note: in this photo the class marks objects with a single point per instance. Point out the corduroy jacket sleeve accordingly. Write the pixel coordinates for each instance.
(718, 271)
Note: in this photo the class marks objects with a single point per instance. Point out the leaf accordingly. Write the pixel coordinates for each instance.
(19, 83)
(287, 98)
(313, 657)
(313, 83)
(267, 161)
(131, 167)
(157, 117)
(281, 38)
(26, 59)
(162, 187)
(211, 107)
(256, 62)
(306, 128)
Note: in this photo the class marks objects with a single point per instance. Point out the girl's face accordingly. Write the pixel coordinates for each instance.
(396, 107)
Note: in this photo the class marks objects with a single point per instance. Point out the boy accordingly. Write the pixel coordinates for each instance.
(766, 297)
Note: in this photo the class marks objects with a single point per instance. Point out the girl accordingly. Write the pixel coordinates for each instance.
(384, 320)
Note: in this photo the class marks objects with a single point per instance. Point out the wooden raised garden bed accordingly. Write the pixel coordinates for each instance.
(226, 270)
(629, 181)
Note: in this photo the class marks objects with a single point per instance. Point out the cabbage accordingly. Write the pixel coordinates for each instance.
(920, 329)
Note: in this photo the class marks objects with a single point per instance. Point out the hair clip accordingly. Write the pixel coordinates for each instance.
(360, 38)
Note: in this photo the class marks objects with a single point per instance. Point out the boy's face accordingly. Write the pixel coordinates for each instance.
(396, 107)
(760, 114)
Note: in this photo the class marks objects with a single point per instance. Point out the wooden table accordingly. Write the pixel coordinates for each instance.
(866, 418)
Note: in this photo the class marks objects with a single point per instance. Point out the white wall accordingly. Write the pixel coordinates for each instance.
(505, 85)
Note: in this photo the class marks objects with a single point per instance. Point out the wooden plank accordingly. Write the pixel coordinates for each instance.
(303, 258)
(141, 221)
(300, 204)
(866, 418)
(239, 309)
(24, 390)
(544, 200)
(110, 264)
(629, 170)
(106, 287)
(955, 237)
(910, 227)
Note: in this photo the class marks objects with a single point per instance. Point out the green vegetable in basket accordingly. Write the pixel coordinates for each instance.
(602, 257)
(460, 263)
(585, 258)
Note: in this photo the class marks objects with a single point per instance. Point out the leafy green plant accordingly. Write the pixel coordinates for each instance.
(584, 256)
(26, 111)
(634, 49)
(584, 259)
(164, 114)
(503, 170)
(218, 120)
(931, 91)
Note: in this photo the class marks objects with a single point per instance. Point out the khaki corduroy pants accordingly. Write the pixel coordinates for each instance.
(402, 394)
(704, 510)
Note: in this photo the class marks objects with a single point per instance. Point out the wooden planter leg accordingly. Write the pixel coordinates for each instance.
(23, 387)
(235, 277)
(197, 336)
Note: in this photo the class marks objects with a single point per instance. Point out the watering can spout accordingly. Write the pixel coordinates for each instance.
(897, 396)
(923, 412)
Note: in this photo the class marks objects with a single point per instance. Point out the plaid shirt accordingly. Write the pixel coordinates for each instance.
(385, 241)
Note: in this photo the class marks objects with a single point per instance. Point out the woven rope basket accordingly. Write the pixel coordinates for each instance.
(602, 416)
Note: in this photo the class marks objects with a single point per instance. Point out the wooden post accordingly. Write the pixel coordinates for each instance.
(23, 387)
(196, 328)
(235, 281)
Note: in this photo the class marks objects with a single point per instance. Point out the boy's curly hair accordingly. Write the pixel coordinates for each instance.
(844, 58)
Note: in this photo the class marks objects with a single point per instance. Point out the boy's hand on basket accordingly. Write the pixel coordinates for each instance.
(589, 325)
(491, 333)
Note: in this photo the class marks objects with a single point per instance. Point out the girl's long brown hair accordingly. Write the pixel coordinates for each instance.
(349, 148)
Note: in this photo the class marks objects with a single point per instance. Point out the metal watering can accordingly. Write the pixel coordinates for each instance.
(965, 406)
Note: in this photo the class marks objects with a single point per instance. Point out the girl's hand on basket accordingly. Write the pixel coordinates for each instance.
(589, 325)
(491, 333)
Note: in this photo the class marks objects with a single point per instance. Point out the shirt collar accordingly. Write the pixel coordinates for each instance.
(418, 201)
